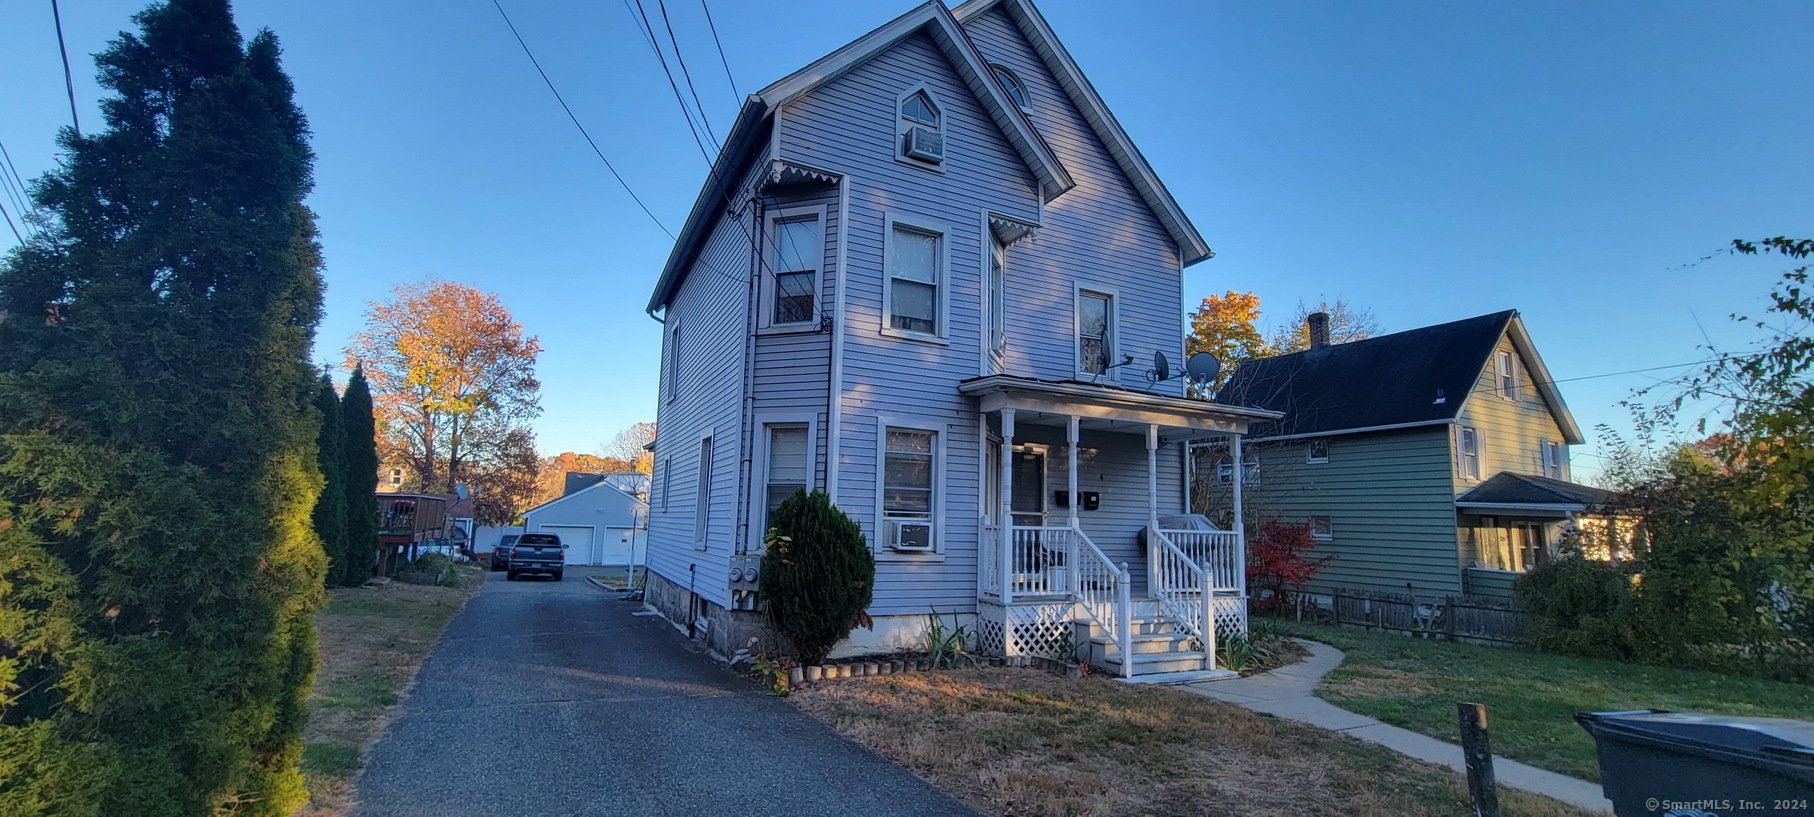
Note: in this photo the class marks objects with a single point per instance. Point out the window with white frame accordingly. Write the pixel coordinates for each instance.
(1507, 378)
(1011, 83)
(921, 139)
(667, 481)
(998, 294)
(799, 251)
(1095, 331)
(702, 508)
(1250, 467)
(672, 381)
(915, 296)
(787, 467)
(1467, 452)
(1316, 450)
(1320, 527)
(908, 487)
(1554, 455)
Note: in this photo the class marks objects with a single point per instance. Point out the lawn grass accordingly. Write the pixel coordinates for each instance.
(372, 640)
(1023, 742)
(1531, 697)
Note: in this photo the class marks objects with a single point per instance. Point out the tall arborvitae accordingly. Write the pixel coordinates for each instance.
(158, 575)
(330, 508)
(360, 431)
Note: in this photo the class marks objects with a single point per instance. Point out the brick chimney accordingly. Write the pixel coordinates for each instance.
(1318, 322)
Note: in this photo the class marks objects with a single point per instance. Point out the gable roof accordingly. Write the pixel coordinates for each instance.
(746, 133)
(1508, 489)
(597, 490)
(1418, 377)
(1191, 246)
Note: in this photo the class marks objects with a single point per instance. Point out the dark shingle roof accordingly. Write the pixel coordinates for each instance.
(1507, 488)
(1420, 375)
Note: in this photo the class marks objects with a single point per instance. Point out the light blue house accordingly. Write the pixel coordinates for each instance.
(929, 274)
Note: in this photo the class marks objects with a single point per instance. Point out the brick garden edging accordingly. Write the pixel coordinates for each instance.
(796, 676)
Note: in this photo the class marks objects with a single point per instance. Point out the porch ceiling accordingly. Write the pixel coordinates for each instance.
(1102, 408)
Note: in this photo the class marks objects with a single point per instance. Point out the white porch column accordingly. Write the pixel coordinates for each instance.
(1152, 509)
(1239, 525)
(1005, 522)
(1072, 549)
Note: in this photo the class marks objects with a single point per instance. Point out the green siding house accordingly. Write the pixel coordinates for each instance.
(1433, 461)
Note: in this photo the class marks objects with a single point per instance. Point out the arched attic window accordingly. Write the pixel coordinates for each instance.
(1016, 91)
(921, 137)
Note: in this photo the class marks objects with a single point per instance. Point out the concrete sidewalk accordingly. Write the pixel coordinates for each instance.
(1288, 693)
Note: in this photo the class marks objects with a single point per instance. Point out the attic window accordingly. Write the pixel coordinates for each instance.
(918, 108)
(1010, 82)
(921, 140)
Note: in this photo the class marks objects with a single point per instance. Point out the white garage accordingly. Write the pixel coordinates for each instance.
(599, 524)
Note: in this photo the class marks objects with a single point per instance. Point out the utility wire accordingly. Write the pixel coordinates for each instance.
(69, 82)
(9, 223)
(715, 41)
(576, 123)
(672, 85)
(14, 183)
(662, 5)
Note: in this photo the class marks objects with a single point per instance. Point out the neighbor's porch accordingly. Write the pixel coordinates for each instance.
(1090, 483)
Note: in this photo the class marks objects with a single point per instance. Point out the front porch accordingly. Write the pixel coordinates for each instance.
(1136, 591)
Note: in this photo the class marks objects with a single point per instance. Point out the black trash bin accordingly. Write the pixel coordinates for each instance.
(1657, 763)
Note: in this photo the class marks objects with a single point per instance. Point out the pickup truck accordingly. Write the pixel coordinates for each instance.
(537, 553)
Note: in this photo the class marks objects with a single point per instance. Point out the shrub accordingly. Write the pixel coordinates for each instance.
(818, 575)
(1277, 564)
(1581, 607)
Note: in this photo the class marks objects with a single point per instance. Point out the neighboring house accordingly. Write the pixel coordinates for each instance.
(599, 524)
(1433, 461)
(405, 523)
(913, 280)
(630, 482)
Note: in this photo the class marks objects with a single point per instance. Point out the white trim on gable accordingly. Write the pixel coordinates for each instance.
(1191, 246)
(1544, 383)
(588, 489)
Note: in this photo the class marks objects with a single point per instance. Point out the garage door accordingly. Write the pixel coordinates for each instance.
(579, 543)
(615, 549)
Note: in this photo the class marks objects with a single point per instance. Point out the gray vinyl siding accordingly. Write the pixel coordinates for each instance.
(711, 309)
(1101, 232)
(1388, 496)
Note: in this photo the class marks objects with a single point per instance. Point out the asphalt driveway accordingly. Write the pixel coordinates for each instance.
(556, 698)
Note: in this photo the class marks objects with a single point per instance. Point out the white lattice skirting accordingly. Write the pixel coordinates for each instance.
(1231, 614)
(1025, 629)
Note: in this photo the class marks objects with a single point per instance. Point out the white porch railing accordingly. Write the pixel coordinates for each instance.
(1185, 590)
(1219, 552)
(1105, 592)
(1059, 563)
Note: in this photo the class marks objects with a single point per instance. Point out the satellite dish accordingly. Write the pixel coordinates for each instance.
(1162, 368)
(1203, 367)
(462, 491)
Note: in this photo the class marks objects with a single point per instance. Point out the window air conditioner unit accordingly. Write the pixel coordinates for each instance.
(925, 144)
(910, 534)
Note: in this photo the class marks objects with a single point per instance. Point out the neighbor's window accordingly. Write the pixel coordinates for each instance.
(1508, 376)
(702, 508)
(1467, 452)
(998, 307)
(1320, 527)
(907, 468)
(799, 250)
(787, 466)
(1250, 467)
(1316, 450)
(1095, 331)
(1554, 454)
(913, 280)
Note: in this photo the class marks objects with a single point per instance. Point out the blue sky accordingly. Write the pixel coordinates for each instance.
(1428, 160)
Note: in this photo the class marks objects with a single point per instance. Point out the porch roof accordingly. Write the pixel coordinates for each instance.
(1105, 408)
(1507, 491)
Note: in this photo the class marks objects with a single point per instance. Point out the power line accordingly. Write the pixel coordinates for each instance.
(69, 82)
(684, 73)
(576, 123)
(9, 223)
(717, 42)
(14, 183)
(672, 85)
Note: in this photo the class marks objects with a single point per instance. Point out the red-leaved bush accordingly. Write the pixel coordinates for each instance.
(1276, 562)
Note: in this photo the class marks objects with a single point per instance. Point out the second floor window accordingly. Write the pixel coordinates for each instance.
(1467, 452)
(913, 281)
(1554, 455)
(1095, 331)
(998, 307)
(1316, 450)
(799, 251)
(1250, 467)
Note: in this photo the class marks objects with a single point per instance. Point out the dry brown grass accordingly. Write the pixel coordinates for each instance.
(1022, 742)
(372, 641)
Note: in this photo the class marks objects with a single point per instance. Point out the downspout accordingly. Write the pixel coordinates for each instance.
(835, 386)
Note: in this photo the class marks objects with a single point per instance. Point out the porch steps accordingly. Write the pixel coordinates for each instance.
(1188, 677)
(1150, 664)
(1160, 650)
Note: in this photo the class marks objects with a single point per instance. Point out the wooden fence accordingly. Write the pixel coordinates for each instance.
(1456, 618)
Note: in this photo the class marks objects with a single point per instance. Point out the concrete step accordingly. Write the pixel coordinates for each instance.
(1189, 677)
(1156, 663)
(1149, 643)
(1145, 625)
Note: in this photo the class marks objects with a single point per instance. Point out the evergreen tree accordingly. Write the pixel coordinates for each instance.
(818, 576)
(330, 509)
(158, 575)
(360, 431)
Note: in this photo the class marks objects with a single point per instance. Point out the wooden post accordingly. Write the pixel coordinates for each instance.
(1477, 750)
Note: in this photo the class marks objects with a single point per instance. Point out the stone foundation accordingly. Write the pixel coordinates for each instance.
(723, 631)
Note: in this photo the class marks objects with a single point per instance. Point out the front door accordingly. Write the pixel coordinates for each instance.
(1029, 501)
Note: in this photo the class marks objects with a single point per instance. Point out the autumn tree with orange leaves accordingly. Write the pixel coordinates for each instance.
(453, 382)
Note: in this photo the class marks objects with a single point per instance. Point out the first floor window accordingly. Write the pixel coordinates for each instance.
(913, 281)
(787, 467)
(1320, 527)
(1095, 313)
(702, 508)
(1467, 452)
(907, 485)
